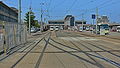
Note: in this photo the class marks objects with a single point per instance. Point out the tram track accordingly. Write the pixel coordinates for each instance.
(71, 51)
(102, 48)
(72, 54)
(97, 56)
(108, 37)
(101, 66)
(13, 50)
(99, 47)
(41, 54)
(29, 50)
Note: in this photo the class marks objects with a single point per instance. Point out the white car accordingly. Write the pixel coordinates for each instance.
(33, 30)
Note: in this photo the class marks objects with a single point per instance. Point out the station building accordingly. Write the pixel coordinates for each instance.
(59, 23)
(103, 19)
(113, 26)
(69, 21)
(80, 22)
(8, 14)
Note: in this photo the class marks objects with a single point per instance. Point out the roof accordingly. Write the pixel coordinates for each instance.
(56, 21)
(13, 8)
(8, 7)
(115, 24)
(80, 21)
(55, 24)
(67, 17)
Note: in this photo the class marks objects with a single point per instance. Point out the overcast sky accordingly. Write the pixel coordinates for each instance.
(57, 9)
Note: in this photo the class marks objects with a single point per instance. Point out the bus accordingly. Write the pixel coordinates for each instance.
(103, 28)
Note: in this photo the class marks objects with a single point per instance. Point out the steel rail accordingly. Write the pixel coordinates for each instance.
(100, 57)
(42, 53)
(13, 66)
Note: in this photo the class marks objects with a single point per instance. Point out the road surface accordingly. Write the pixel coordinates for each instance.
(65, 49)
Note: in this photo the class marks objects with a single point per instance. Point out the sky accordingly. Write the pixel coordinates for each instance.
(57, 9)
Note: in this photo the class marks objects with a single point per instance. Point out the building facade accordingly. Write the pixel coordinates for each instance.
(8, 14)
(80, 22)
(103, 19)
(67, 23)
(69, 20)
(54, 23)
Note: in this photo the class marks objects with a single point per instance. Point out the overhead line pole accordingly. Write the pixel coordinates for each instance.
(41, 21)
(96, 19)
(82, 21)
(30, 20)
(41, 17)
(19, 18)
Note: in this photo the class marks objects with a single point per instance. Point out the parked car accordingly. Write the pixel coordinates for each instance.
(33, 30)
(38, 29)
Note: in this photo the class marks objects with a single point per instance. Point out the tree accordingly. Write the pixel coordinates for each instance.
(32, 18)
(37, 24)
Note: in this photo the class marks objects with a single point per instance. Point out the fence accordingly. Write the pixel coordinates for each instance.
(11, 35)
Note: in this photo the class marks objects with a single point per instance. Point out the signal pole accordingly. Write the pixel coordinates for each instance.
(96, 19)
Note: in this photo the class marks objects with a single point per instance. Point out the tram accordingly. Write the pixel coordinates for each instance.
(51, 28)
(56, 28)
(103, 28)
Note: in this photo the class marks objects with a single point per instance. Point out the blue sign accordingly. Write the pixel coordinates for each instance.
(93, 16)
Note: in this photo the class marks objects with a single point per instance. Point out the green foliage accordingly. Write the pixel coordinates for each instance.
(32, 18)
(37, 24)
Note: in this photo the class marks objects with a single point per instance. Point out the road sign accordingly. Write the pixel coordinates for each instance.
(93, 16)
